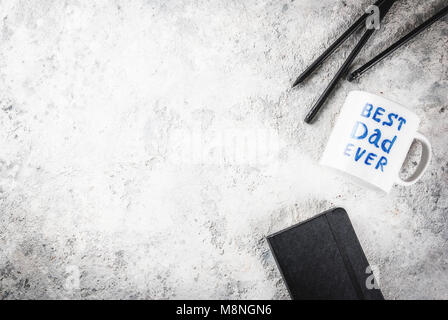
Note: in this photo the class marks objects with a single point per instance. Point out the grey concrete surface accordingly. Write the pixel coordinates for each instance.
(148, 147)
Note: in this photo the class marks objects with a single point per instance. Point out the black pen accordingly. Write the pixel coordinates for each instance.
(358, 72)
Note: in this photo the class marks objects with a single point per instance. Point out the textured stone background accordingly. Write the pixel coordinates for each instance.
(114, 116)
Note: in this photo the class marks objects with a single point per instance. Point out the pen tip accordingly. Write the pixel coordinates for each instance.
(298, 81)
(352, 76)
(295, 83)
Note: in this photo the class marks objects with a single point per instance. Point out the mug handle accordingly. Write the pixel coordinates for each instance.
(424, 161)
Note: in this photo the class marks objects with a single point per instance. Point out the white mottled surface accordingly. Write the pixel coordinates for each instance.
(100, 101)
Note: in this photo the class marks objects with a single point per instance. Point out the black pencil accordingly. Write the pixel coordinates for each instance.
(354, 27)
(358, 72)
(344, 68)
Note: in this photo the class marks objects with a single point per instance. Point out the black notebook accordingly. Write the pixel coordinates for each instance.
(322, 258)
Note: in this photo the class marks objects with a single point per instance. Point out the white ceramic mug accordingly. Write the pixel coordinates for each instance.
(371, 139)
